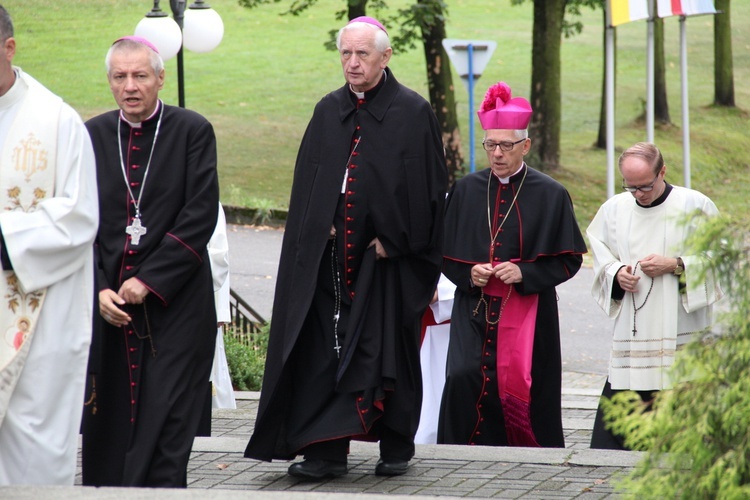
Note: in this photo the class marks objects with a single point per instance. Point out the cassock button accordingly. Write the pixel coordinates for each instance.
(350, 257)
(360, 399)
(481, 420)
(486, 354)
(484, 394)
(352, 179)
(132, 420)
(348, 269)
(132, 384)
(499, 215)
(502, 202)
(497, 244)
(352, 166)
(130, 332)
(349, 219)
(487, 379)
(134, 184)
(128, 268)
(135, 167)
(349, 231)
(133, 349)
(135, 148)
(478, 433)
(472, 443)
(479, 406)
(132, 401)
(349, 193)
(133, 367)
(349, 205)
(348, 282)
(358, 127)
(489, 341)
(350, 245)
(355, 153)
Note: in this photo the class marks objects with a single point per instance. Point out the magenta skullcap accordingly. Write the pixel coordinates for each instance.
(368, 20)
(138, 39)
(499, 111)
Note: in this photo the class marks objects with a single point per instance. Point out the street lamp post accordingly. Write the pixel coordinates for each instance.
(199, 28)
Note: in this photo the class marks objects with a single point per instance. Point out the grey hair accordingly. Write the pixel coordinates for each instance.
(131, 46)
(645, 151)
(6, 24)
(382, 42)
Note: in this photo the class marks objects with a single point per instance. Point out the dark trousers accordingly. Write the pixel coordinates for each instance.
(393, 446)
(603, 438)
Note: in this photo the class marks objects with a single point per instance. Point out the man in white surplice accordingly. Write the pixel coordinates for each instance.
(645, 279)
(48, 221)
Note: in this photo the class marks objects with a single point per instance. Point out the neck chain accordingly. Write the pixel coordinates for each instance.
(493, 237)
(632, 294)
(136, 230)
(335, 273)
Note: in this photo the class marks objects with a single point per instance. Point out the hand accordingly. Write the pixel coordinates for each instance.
(627, 280)
(133, 291)
(655, 265)
(480, 273)
(109, 303)
(380, 252)
(508, 273)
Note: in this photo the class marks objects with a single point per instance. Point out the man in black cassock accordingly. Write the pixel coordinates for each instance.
(359, 262)
(154, 345)
(511, 236)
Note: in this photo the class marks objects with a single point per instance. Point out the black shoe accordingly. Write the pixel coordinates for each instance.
(317, 469)
(387, 467)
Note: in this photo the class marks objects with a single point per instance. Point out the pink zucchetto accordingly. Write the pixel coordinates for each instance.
(368, 20)
(499, 111)
(138, 39)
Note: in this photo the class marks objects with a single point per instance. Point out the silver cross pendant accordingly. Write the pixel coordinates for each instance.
(136, 230)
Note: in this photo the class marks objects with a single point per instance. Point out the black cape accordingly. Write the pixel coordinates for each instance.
(396, 189)
(150, 378)
(542, 236)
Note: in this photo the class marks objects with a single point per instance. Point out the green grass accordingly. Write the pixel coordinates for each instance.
(260, 85)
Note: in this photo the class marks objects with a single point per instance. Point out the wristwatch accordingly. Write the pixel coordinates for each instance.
(680, 268)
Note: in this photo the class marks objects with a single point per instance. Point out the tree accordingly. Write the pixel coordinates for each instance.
(661, 107)
(546, 100)
(697, 438)
(428, 16)
(425, 21)
(549, 27)
(723, 65)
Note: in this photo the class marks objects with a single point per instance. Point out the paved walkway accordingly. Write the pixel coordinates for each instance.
(217, 468)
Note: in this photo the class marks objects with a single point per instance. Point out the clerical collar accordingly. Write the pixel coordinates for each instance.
(661, 199)
(14, 93)
(140, 124)
(506, 180)
(368, 95)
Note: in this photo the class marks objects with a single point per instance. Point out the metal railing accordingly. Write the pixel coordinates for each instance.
(247, 324)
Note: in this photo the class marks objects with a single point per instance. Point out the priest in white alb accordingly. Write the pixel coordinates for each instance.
(48, 221)
(647, 279)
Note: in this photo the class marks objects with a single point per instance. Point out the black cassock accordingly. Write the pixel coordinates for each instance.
(150, 378)
(390, 149)
(540, 234)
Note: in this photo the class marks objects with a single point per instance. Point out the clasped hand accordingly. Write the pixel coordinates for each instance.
(507, 272)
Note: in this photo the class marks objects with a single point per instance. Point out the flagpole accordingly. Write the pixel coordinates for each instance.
(685, 107)
(609, 90)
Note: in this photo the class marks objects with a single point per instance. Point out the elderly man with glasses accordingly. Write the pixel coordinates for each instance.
(511, 236)
(659, 297)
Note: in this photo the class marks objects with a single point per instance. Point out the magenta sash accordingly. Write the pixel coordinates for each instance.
(515, 344)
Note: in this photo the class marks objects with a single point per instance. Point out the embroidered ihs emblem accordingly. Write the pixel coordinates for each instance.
(30, 157)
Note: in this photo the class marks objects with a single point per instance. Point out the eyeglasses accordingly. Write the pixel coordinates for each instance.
(504, 145)
(642, 189)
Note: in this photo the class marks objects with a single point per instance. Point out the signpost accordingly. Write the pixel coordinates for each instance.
(469, 57)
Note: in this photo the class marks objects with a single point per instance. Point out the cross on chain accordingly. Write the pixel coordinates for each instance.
(136, 230)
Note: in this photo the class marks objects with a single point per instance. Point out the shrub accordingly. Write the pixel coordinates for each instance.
(697, 438)
(246, 357)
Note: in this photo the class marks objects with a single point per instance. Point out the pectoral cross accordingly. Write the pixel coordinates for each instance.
(136, 230)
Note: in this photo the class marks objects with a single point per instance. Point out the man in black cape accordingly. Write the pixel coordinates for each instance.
(360, 259)
(154, 345)
(511, 236)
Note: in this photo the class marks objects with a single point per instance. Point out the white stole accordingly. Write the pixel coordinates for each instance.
(27, 176)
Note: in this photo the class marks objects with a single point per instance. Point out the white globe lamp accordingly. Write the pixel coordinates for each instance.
(202, 28)
(162, 31)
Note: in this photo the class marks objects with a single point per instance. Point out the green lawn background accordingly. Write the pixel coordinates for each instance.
(260, 85)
